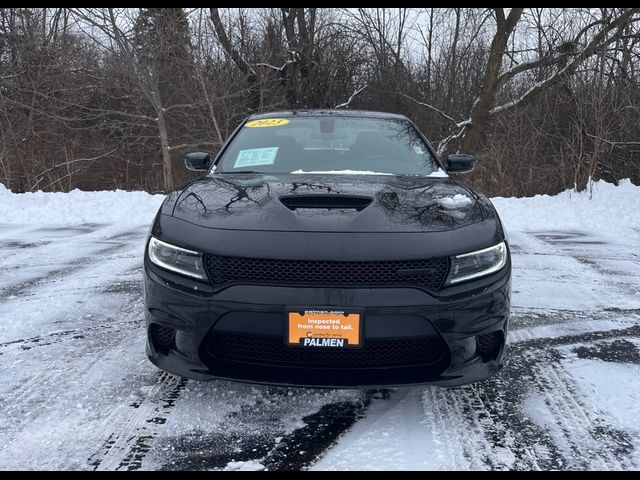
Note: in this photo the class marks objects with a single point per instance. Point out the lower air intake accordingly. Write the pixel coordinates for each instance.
(162, 336)
(489, 343)
(374, 353)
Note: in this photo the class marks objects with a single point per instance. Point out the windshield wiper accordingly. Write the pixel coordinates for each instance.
(242, 171)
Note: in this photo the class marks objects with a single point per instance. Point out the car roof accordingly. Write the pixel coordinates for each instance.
(327, 112)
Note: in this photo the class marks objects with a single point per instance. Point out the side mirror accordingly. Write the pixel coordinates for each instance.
(460, 163)
(197, 161)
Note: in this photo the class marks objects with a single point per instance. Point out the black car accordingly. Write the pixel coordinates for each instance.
(327, 248)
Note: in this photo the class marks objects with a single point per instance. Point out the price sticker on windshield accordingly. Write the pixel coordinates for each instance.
(267, 122)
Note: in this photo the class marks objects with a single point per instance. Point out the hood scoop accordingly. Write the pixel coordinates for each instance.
(351, 202)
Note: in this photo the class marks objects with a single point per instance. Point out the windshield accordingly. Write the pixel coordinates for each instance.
(329, 145)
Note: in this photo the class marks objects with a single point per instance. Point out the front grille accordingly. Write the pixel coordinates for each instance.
(429, 273)
(374, 353)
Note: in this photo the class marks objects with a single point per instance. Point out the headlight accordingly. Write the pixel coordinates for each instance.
(176, 259)
(477, 264)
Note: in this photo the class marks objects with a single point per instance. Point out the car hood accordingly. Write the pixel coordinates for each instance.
(357, 203)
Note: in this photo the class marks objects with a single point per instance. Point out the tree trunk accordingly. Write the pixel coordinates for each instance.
(238, 60)
(429, 53)
(484, 103)
(452, 60)
(167, 171)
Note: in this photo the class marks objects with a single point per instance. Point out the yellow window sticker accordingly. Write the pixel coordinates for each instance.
(267, 122)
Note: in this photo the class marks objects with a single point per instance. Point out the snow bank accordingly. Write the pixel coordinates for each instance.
(610, 210)
(78, 207)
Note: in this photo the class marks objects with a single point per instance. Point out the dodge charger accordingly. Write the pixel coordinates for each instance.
(328, 248)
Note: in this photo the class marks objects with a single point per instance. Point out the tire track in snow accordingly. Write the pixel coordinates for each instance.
(109, 324)
(546, 342)
(26, 287)
(480, 428)
(99, 324)
(484, 429)
(30, 393)
(21, 241)
(497, 436)
(595, 253)
(497, 433)
(269, 446)
(128, 444)
(444, 415)
(303, 446)
(29, 390)
(60, 245)
(483, 425)
(37, 392)
(589, 444)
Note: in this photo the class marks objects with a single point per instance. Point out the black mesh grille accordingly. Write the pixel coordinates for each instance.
(488, 342)
(325, 201)
(162, 336)
(374, 353)
(428, 273)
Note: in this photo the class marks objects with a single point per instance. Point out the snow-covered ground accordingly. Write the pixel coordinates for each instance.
(77, 392)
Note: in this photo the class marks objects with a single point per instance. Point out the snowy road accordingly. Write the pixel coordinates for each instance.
(77, 391)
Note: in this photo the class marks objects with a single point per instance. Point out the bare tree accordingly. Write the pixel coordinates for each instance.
(117, 27)
(608, 31)
(110, 98)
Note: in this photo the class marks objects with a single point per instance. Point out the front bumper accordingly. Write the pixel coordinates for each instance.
(456, 319)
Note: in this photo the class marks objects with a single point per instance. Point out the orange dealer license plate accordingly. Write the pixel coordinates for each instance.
(324, 328)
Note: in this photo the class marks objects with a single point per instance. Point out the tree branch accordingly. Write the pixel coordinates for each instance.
(353, 95)
(41, 175)
(442, 144)
(235, 55)
(438, 111)
(598, 41)
(524, 66)
(176, 106)
(191, 145)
